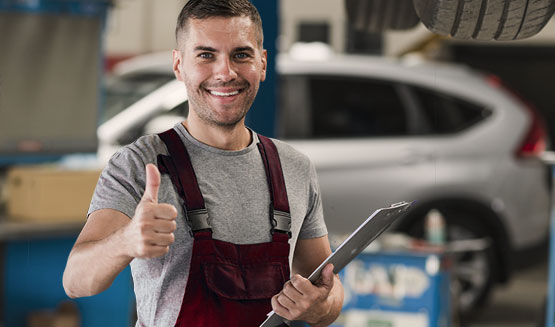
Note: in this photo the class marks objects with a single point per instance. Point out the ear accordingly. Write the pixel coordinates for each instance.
(177, 64)
(264, 58)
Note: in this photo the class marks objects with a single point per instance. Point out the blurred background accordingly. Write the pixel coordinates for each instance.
(393, 100)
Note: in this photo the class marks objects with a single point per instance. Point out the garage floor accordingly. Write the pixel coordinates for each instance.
(519, 303)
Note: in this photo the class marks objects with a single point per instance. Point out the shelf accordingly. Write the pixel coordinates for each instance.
(10, 230)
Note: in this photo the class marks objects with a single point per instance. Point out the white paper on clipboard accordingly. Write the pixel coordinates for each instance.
(367, 232)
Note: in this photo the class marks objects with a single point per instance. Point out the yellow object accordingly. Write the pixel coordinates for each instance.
(49, 194)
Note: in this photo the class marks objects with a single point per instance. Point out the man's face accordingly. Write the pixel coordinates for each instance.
(222, 66)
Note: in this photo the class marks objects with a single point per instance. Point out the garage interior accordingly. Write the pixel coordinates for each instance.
(58, 57)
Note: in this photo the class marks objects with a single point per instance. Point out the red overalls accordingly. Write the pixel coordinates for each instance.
(229, 284)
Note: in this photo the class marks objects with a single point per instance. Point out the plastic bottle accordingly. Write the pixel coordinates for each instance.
(435, 227)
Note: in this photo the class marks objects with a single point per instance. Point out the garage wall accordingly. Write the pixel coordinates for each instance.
(141, 26)
(293, 12)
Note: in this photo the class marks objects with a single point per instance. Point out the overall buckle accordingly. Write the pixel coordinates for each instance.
(281, 221)
(198, 219)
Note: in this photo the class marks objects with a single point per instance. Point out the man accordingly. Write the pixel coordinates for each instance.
(208, 238)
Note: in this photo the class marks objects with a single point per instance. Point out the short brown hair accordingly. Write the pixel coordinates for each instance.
(202, 9)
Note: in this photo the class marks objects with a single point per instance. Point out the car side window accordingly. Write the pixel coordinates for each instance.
(123, 91)
(340, 107)
(447, 114)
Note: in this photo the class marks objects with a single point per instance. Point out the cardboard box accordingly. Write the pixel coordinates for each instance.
(49, 194)
(66, 315)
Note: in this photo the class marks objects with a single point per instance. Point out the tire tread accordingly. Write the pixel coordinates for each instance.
(375, 16)
(485, 19)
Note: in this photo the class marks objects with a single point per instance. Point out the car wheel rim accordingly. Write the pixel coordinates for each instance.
(471, 269)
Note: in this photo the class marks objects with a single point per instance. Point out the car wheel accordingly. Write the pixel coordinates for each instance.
(375, 16)
(501, 20)
(473, 271)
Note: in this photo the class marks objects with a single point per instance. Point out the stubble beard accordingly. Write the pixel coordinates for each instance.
(205, 112)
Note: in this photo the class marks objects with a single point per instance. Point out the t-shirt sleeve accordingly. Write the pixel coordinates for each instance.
(313, 225)
(121, 184)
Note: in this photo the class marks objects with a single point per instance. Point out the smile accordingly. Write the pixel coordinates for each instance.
(224, 94)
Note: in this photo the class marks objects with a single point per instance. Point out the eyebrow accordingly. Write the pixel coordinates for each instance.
(210, 49)
(241, 49)
(203, 48)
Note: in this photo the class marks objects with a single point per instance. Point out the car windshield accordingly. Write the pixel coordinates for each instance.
(123, 91)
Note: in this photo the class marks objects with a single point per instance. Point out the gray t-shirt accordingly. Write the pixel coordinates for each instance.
(237, 198)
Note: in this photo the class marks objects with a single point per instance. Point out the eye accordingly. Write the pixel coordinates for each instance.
(206, 55)
(242, 55)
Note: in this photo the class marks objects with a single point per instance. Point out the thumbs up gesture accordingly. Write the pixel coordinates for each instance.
(150, 232)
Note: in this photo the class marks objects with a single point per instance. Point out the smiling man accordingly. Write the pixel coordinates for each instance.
(209, 214)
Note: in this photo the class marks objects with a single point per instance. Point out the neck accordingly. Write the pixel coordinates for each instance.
(233, 138)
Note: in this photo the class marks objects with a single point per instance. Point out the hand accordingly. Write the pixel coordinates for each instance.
(150, 232)
(302, 300)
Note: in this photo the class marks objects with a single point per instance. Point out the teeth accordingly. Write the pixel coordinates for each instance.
(223, 94)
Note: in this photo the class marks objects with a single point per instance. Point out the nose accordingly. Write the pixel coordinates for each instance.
(225, 70)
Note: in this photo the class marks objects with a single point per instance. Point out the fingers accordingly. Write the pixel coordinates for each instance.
(152, 184)
(301, 284)
(291, 303)
(326, 279)
(147, 210)
(300, 289)
(161, 239)
(151, 244)
(301, 300)
(164, 211)
(151, 230)
(165, 226)
(156, 218)
(296, 293)
(285, 302)
(292, 293)
(278, 307)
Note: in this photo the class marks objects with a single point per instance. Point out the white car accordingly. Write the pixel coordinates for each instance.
(381, 131)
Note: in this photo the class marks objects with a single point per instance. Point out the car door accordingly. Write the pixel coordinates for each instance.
(356, 132)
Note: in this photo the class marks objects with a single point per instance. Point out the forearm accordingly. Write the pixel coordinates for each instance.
(92, 266)
(335, 300)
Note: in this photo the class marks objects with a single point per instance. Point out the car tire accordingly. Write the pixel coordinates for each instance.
(376, 16)
(474, 272)
(501, 20)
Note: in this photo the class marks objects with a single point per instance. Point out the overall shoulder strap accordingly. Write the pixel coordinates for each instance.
(279, 211)
(178, 166)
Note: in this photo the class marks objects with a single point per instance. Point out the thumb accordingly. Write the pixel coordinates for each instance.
(326, 279)
(152, 184)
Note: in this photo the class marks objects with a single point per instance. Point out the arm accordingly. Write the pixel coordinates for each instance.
(319, 304)
(97, 257)
(110, 240)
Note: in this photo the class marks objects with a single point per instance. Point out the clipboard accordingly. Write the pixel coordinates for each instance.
(367, 232)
